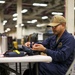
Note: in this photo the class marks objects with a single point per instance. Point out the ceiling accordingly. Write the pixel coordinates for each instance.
(34, 12)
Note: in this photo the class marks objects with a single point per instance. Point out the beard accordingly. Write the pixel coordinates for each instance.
(57, 33)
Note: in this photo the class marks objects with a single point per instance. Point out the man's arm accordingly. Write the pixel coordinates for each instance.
(65, 51)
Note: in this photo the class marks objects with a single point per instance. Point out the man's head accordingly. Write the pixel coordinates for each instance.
(58, 24)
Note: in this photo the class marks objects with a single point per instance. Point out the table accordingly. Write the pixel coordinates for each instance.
(34, 58)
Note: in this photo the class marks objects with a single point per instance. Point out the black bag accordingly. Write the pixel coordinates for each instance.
(29, 51)
(14, 53)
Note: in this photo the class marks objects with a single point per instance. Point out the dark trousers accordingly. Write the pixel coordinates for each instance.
(47, 69)
(31, 71)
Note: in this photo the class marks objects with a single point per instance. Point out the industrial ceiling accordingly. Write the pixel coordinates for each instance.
(34, 12)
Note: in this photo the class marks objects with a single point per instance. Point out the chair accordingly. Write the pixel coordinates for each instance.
(71, 70)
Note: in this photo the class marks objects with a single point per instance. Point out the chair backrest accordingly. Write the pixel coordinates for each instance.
(72, 67)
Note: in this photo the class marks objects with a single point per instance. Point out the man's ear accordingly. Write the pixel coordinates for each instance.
(64, 24)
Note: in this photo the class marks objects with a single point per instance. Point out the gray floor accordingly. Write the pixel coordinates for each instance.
(24, 67)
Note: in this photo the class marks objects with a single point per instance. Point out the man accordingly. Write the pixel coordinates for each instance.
(60, 47)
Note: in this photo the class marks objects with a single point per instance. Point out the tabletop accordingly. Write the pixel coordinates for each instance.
(34, 58)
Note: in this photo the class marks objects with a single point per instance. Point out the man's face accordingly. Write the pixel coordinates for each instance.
(57, 29)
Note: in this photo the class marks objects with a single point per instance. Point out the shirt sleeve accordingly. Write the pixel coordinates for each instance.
(46, 42)
(66, 50)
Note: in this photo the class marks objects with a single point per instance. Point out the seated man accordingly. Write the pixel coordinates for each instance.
(60, 47)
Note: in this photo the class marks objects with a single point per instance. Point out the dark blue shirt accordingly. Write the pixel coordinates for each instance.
(62, 52)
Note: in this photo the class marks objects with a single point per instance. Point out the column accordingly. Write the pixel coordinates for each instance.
(19, 19)
(1, 29)
(74, 17)
(70, 15)
(1, 21)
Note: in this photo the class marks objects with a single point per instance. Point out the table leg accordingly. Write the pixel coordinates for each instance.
(10, 69)
(16, 67)
(30, 70)
(36, 67)
(20, 67)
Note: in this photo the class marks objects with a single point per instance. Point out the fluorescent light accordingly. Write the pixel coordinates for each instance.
(74, 8)
(57, 13)
(41, 25)
(8, 29)
(14, 19)
(4, 22)
(24, 11)
(44, 5)
(28, 21)
(33, 21)
(39, 4)
(44, 17)
(14, 15)
(16, 26)
(22, 24)
(2, 1)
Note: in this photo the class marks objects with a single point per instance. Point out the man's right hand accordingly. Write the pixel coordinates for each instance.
(27, 44)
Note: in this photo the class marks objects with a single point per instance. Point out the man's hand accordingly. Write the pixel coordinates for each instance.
(38, 47)
(27, 44)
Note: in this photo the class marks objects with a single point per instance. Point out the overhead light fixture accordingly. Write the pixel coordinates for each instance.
(28, 21)
(22, 24)
(74, 8)
(33, 21)
(41, 25)
(8, 29)
(16, 26)
(57, 13)
(2, 1)
(24, 11)
(4, 22)
(14, 19)
(44, 17)
(39, 4)
(14, 15)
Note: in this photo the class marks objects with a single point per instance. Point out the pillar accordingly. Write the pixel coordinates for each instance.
(70, 15)
(19, 19)
(1, 21)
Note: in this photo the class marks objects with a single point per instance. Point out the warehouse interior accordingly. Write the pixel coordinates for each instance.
(27, 20)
